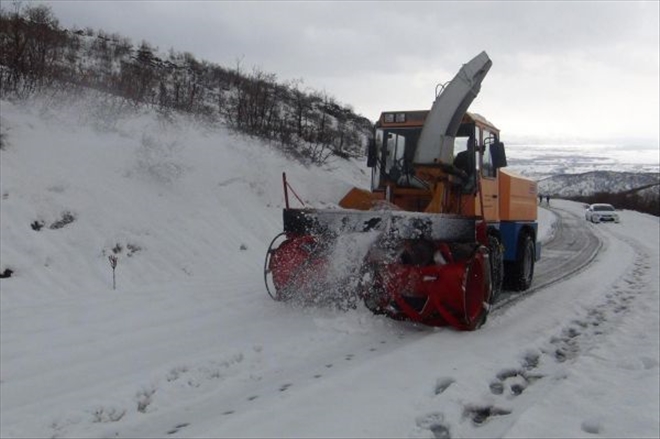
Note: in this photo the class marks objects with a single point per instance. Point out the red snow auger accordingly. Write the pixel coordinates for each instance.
(440, 232)
(428, 268)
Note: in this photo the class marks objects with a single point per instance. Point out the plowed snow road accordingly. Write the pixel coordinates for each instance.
(572, 247)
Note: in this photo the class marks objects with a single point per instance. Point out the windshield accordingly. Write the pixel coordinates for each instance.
(396, 148)
(396, 151)
(603, 208)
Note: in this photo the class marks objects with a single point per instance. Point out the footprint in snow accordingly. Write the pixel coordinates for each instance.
(442, 384)
(143, 399)
(513, 379)
(436, 423)
(480, 414)
(592, 426)
(531, 360)
(178, 427)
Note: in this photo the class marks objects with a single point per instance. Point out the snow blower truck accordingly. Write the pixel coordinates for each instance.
(442, 231)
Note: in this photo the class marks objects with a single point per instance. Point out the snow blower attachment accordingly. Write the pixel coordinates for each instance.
(443, 228)
(423, 267)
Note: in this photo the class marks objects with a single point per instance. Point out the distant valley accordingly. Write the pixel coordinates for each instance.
(624, 175)
(539, 161)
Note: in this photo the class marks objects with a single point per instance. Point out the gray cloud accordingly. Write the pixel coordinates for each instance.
(559, 68)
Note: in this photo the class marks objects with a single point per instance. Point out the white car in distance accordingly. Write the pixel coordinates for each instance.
(601, 212)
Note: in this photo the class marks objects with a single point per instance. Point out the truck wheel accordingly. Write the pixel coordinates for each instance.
(497, 267)
(519, 274)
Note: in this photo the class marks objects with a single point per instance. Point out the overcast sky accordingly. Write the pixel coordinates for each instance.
(560, 69)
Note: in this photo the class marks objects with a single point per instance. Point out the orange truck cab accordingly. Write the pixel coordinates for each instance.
(472, 181)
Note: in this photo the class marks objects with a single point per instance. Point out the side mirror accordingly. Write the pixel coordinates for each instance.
(498, 154)
(372, 153)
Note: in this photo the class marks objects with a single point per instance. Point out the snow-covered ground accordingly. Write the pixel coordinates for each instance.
(190, 345)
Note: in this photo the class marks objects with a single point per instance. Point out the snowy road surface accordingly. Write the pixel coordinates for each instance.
(157, 363)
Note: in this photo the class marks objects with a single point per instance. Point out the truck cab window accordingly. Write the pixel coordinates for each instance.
(377, 170)
(477, 143)
(460, 145)
(396, 147)
(487, 168)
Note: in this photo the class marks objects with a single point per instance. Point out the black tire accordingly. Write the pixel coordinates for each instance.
(518, 275)
(496, 267)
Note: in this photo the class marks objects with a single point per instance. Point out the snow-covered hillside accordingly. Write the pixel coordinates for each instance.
(173, 199)
(190, 345)
(568, 185)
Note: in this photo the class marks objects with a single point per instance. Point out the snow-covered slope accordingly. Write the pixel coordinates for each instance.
(190, 345)
(174, 199)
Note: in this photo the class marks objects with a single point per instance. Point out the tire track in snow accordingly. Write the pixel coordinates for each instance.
(151, 413)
